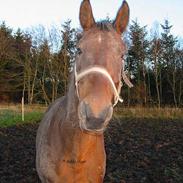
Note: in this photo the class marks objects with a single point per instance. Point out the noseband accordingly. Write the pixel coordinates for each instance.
(104, 72)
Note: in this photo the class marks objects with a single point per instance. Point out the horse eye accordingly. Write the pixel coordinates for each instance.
(79, 52)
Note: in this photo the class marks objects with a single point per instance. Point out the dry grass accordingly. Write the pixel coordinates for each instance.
(28, 108)
(152, 113)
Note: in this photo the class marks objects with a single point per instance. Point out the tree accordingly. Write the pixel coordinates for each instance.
(168, 43)
(137, 57)
(22, 45)
(67, 51)
(155, 53)
(179, 75)
(8, 69)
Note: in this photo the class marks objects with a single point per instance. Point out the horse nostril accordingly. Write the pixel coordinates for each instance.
(88, 110)
(83, 109)
(94, 123)
(106, 113)
(92, 120)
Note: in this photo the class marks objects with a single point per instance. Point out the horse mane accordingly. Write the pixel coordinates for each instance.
(105, 25)
(72, 100)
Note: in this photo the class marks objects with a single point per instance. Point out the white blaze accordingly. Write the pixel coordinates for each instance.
(99, 39)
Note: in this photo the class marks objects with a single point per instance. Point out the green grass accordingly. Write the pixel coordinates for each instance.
(11, 117)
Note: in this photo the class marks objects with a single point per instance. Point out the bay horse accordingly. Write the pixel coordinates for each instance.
(70, 140)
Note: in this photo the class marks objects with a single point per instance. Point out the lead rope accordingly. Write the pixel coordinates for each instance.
(98, 69)
(124, 76)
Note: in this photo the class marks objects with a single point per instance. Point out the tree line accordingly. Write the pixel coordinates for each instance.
(36, 64)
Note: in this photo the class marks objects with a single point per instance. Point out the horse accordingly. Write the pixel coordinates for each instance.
(70, 137)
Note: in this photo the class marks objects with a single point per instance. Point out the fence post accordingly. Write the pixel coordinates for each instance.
(22, 108)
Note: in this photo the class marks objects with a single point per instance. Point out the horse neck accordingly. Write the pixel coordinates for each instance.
(72, 103)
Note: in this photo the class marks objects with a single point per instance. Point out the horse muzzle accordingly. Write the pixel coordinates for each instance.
(94, 122)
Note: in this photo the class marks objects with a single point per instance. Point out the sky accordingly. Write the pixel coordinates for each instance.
(27, 13)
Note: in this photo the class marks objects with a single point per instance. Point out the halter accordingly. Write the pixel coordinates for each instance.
(104, 72)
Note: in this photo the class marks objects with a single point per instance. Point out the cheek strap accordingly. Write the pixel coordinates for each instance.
(99, 70)
(102, 71)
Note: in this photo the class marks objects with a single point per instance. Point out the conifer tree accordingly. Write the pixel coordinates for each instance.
(137, 57)
(168, 43)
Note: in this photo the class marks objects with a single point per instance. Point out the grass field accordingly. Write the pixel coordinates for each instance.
(11, 114)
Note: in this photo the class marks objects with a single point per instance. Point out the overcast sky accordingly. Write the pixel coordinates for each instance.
(26, 13)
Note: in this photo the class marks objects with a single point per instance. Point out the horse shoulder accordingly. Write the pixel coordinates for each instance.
(46, 137)
(56, 109)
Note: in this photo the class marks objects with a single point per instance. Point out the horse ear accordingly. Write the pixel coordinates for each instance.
(86, 16)
(122, 18)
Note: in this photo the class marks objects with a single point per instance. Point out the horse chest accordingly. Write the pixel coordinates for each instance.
(83, 166)
(79, 171)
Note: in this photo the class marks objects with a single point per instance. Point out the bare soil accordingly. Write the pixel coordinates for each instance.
(138, 151)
